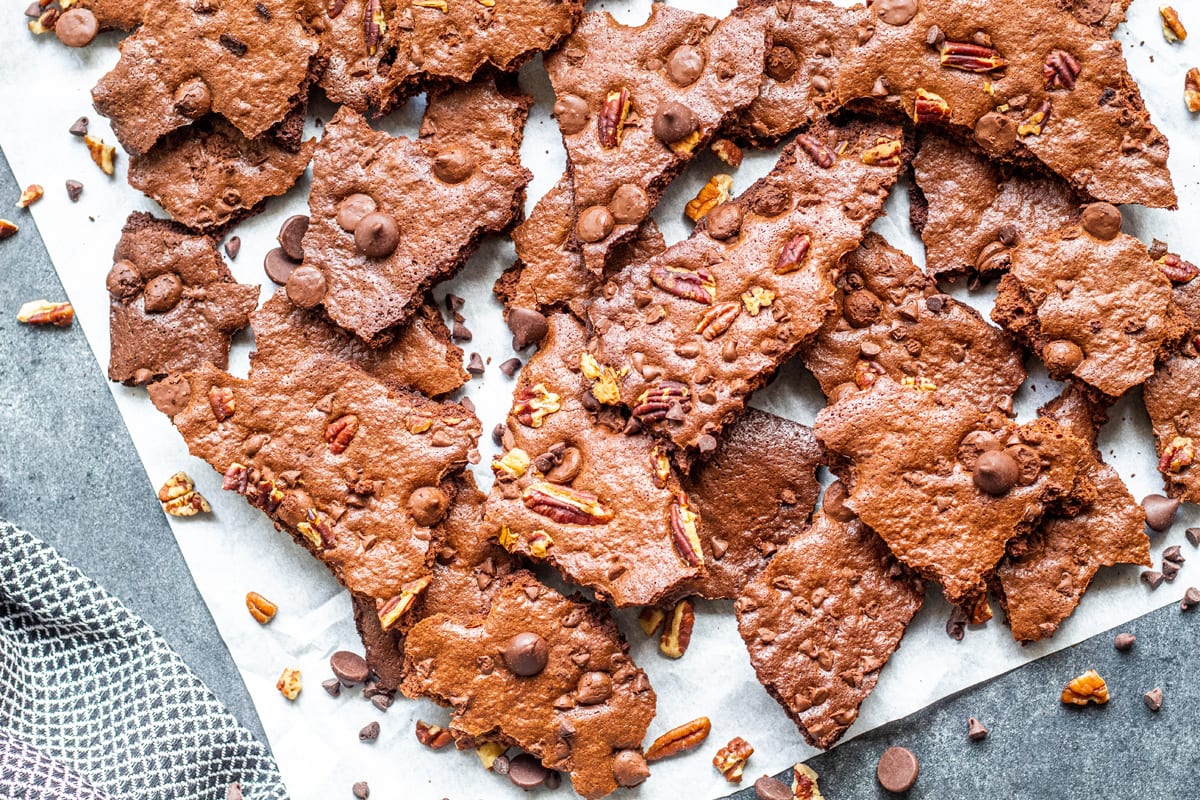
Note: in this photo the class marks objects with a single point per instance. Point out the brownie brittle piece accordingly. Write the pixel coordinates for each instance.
(574, 488)
(547, 673)
(390, 216)
(821, 621)
(173, 304)
(692, 332)
(354, 50)
(1170, 395)
(636, 104)
(1103, 16)
(893, 321)
(210, 175)
(118, 15)
(947, 484)
(1026, 80)
(250, 62)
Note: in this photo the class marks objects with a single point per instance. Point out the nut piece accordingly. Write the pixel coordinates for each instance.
(606, 387)
(31, 195)
(1172, 27)
(1060, 70)
(102, 153)
(650, 619)
(656, 402)
(289, 683)
(756, 298)
(375, 23)
(179, 497)
(222, 402)
(731, 759)
(804, 783)
(712, 194)
(884, 154)
(1087, 688)
(677, 635)
(1177, 455)
(1176, 269)
(970, 57)
(683, 532)
(686, 737)
(392, 610)
(1037, 120)
(930, 107)
(699, 286)
(488, 752)
(717, 320)
(533, 404)
(1191, 94)
(728, 152)
(340, 432)
(260, 607)
(610, 127)
(793, 254)
(43, 312)
(7, 229)
(434, 737)
(565, 505)
(821, 155)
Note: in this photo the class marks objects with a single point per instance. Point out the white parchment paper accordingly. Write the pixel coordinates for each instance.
(44, 87)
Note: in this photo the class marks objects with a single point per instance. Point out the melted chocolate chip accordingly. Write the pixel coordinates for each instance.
(428, 505)
(162, 293)
(526, 654)
(352, 209)
(685, 65)
(306, 286)
(571, 111)
(377, 235)
(595, 223)
(629, 204)
(1102, 220)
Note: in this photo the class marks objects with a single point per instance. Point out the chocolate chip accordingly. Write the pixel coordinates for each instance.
(771, 201)
(527, 772)
(996, 133)
(1170, 570)
(454, 302)
(352, 209)
(834, 503)
(428, 505)
(553, 780)
(526, 654)
(162, 293)
(279, 265)
(498, 434)
(193, 98)
(1160, 511)
(510, 366)
(629, 204)
(369, 732)
(79, 127)
(896, 12)
(1191, 598)
(976, 732)
(861, 308)
(724, 221)
(475, 364)
(1193, 536)
(77, 27)
(782, 63)
(768, 788)
(350, 668)
(460, 332)
(1061, 357)
(956, 626)
(897, 770)
(453, 165)
(569, 463)
(528, 326)
(33, 10)
(333, 686)
(706, 443)
(234, 791)
(996, 472)
(685, 65)
(594, 224)
(1102, 220)
(291, 236)
(377, 235)
(233, 44)
(361, 790)
(1153, 578)
(674, 122)
(233, 247)
(382, 701)
(630, 768)
(1124, 641)
(468, 404)
(501, 765)
(594, 688)
(571, 111)
(1173, 553)
(1153, 699)
(74, 190)
(306, 286)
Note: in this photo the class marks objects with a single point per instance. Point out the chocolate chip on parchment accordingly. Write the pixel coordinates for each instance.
(350, 668)
(498, 434)
(233, 247)
(898, 769)
(79, 127)
(475, 364)
(510, 366)
(527, 772)
(1124, 641)
(291, 235)
(1173, 554)
(527, 325)
(500, 765)
(369, 732)
(278, 265)
(630, 768)
(1153, 578)
(460, 333)
(553, 780)
(454, 302)
(1160, 511)
(1153, 699)
(1191, 599)
(74, 190)
(361, 790)
(956, 626)
(768, 788)
(976, 731)
(1193, 536)
(1169, 570)
(383, 701)
(77, 27)
(333, 686)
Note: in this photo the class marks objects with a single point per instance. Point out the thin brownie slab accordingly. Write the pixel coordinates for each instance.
(565, 691)
(1103, 16)
(971, 211)
(549, 271)
(821, 621)
(1171, 397)
(354, 50)
(1025, 79)
(756, 490)
(893, 321)
(248, 62)
(421, 357)
(434, 43)
(173, 303)
(1095, 307)
(805, 41)
(636, 104)
(390, 216)
(946, 483)
(209, 175)
(349, 467)
(1044, 577)
(602, 506)
(691, 333)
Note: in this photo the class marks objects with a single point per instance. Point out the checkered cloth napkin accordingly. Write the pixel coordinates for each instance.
(95, 705)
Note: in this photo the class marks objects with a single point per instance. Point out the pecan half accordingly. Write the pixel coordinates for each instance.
(884, 154)
(340, 432)
(564, 504)
(610, 126)
(434, 737)
(289, 684)
(43, 312)
(1191, 96)
(1060, 70)
(731, 759)
(222, 403)
(532, 404)
(970, 57)
(395, 608)
(711, 195)
(699, 286)
(262, 609)
(1037, 120)
(687, 736)
(654, 403)
(683, 532)
(717, 320)
(1177, 455)
(375, 25)
(31, 195)
(1087, 688)
(793, 254)
(179, 497)
(1176, 269)
(930, 107)
(677, 634)
(1172, 26)
(821, 155)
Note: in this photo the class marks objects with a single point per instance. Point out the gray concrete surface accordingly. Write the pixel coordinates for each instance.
(69, 473)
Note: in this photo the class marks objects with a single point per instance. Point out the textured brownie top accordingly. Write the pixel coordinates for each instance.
(970, 211)
(603, 507)
(821, 621)
(173, 304)
(421, 357)
(1046, 574)
(694, 331)
(805, 41)
(354, 49)
(433, 43)
(913, 458)
(635, 105)
(895, 322)
(122, 15)
(209, 175)
(1171, 401)
(1036, 82)
(351, 468)
(756, 490)
(549, 271)
(585, 711)
(1097, 309)
(248, 62)
(437, 195)
(1102, 15)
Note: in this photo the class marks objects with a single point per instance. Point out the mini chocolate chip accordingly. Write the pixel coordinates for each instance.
(996, 133)
(333, 686)
(33, 10)
(279, 266)
(369, 732)
(475, 364)
(306, 286)
(526, 654)
(353, 208)
(1191, 598)
(685, 65)
(896, 12)
(460, 333)
(79, 127)
(1160, 511)
(898, 769)
(453, 165)
(996, 472)
(510, 366)
(768, 788)
(382, 701)
(571, 111)
(350, 668)
(724, 221)
(162, 293)
(1153, 578)
(233, 247)
(74, 190)
(193, 98)
(630, 768)
(674, 122)
(594, 224)
(956, 626)
(976, 731)
(629, 204)
(233, 44)
(498, 434)
(377, 235)
(454, 302)
(528, 326)
(1174, 553)
(1102, 220)
(77, 27)
(291, 236)
(361, 790)
(428, 505)
(1061, 357)
(527, 772)
(1124, 641)
(1170, 571)
(1153, 699)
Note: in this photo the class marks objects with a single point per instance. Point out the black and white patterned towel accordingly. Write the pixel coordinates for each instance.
(94, 705)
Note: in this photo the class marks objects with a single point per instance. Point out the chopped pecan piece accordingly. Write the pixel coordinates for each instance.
(1178, 455)
(1191, 96)
(434, 737)
(539, 543)
(31, 195)
(970, 57)
(513, 464)
(1087, 688)
(756, 298)
(930, 107)
(262, 609)
(1172, 26)
(533, 404)
(317, 530)
(821, 155)
(488, 752)
(683, 532)
(655, 403)
(611, 125)
(660, 464)
(340, 432)
(685, 737)
(650, 619)
(565, 505)
(793, 254)
(677, 634)
(606, 387)
(222, 403)
(43, 312)
(728, 152)
(731, 759)
(884, 154)
(395, 608)
(717, 320)
(103, 154)
(1176, 269)
(804, 783)
(179, 497)
(699, 285)
(1037, 120)
(1060, 70)
(289, 683)
(711, 195)
(7, 229)
(440, 5)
